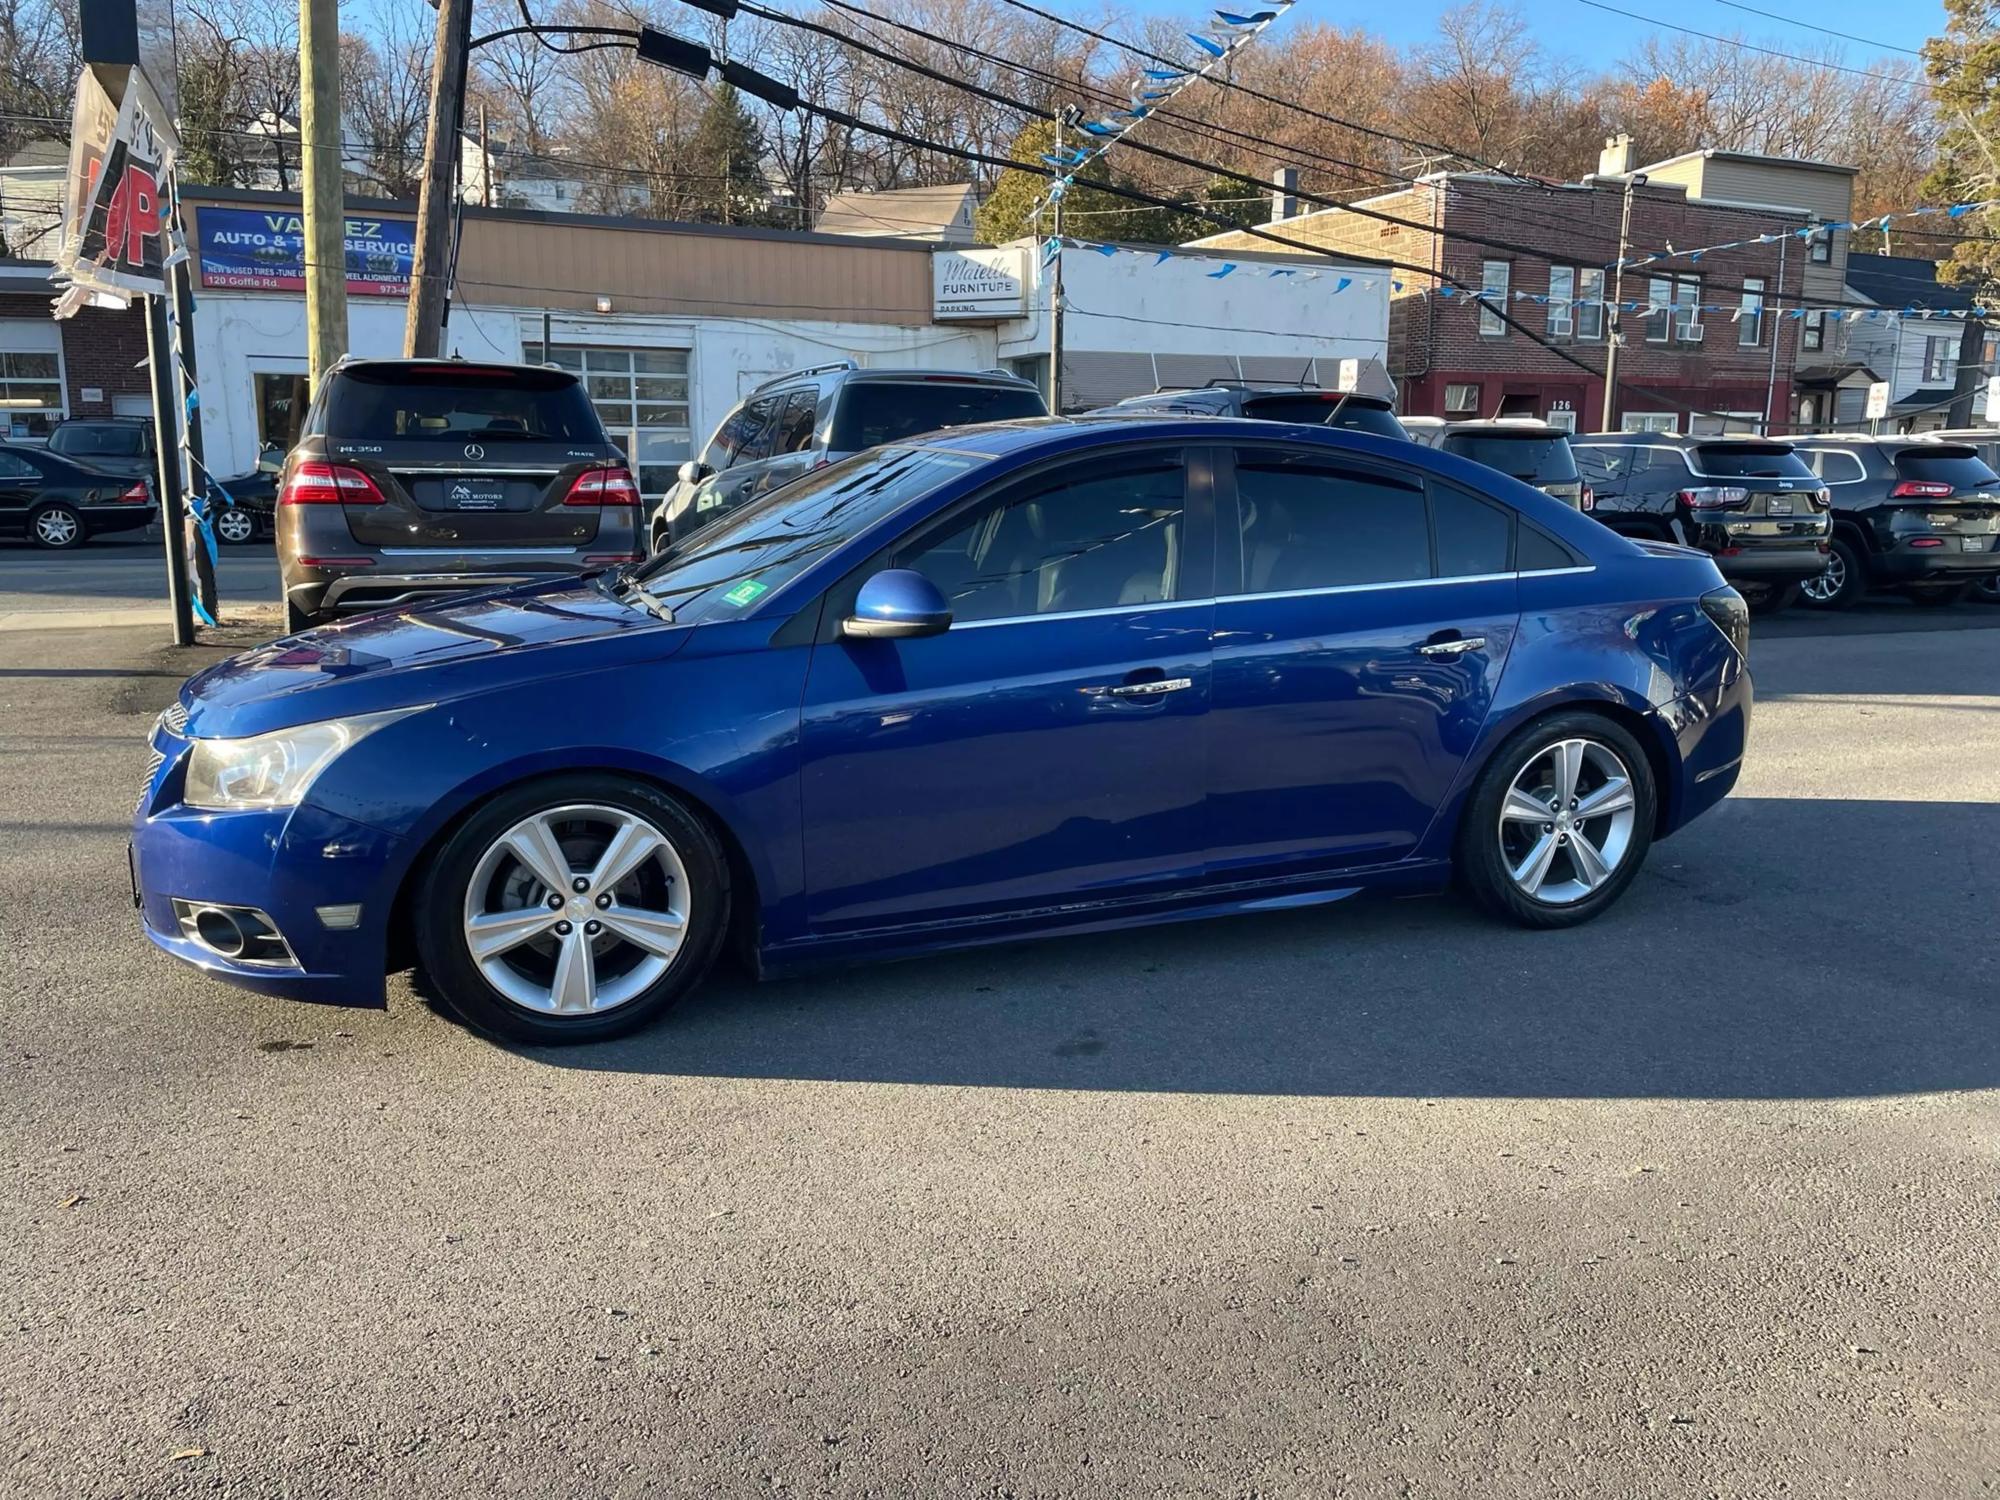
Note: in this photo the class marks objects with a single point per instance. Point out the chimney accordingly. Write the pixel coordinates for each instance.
(1615, 160)
(1284, 194)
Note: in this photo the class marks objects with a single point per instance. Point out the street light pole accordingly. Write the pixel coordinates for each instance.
(1615, 321)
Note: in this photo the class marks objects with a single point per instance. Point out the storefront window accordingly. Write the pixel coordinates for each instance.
(31, 393)
(281, 412)
(642, 397)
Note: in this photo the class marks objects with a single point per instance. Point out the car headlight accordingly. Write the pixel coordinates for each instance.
(275, 769)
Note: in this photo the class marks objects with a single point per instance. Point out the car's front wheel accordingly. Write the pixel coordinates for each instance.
(235, 525)
(572, 909)
(58, 526)
(1559, 821)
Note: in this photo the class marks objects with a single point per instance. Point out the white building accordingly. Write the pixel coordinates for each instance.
(1917, 355)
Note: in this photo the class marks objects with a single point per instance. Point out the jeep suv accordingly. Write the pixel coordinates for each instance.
(806, 419)
(1750, 503)
(1303, 404)
(1919, 516)
(418, 477)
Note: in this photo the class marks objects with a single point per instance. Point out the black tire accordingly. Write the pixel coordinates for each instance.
(1935, 595)
(1769, 598)
(1986, 590)
(441, 907)
(234, 526)
(57, 527)
(297, 619)
(1483, 865)
(1848, 566)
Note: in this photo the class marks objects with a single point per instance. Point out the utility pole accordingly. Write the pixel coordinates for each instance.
(1615, 320)
(485, 160)
(430, 276)
(167, 464)
(1770, 313)
(1056, 285)
(322, 155)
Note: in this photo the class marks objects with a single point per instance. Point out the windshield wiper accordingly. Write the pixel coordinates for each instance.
(625, 589)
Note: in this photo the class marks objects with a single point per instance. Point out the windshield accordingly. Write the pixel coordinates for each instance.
(497, 404)
(1315, 408)
(114, 441)
(1750, 461)
(725, 568)
(1961, 468)
(1535, 458)
(874, 412)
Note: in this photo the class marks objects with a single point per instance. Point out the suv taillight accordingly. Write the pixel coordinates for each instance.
(603, 487)
(1716, 497)
(1919, 489)
(317, 483)
(1589, 501)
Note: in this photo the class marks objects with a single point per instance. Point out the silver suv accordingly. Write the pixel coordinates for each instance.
(805, 419)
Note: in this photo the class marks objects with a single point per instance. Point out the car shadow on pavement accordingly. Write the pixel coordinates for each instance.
(1720, 975)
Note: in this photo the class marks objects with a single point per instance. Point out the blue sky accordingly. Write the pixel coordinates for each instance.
(1569, 27)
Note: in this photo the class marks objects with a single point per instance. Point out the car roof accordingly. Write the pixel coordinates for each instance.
(1679, 439)
(351, 364)
(1505, 427)
(1110, 426)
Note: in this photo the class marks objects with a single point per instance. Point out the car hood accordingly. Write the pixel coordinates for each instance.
(424, 653)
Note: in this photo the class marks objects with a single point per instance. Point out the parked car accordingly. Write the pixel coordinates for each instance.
(1530, 451)
(417, 477)
(1039, 677)
(1919, 517)
(1985, 441)
(1750, 503)
(1304, 404)
(58, 503)
(806, 419)
(122, 445)
(247, 507)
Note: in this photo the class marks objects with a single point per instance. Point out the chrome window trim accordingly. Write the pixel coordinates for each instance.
(1083, 614)
(464, 472)
(483, 549)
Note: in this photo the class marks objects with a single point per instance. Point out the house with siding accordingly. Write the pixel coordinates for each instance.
(1916, 351)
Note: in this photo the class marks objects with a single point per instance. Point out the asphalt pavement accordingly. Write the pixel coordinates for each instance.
(124, 571)
(1380, 1199)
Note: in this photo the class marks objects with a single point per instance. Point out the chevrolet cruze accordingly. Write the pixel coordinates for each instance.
(1007, 681)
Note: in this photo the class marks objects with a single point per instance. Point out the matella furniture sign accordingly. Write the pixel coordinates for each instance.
(986, 284)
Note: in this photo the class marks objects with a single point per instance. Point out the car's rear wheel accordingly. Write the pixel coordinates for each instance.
(1987, 590)
(573, 909)
(1769, 598)
(1935, 595)
(1844, 581)
(57, 526)
(1559, 822)
(296, 619)
(235, 525)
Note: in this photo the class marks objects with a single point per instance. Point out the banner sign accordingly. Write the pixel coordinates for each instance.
(986, 285)
(116, 196)
(264, 250)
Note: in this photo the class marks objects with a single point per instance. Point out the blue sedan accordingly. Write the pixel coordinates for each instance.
(1011, 681)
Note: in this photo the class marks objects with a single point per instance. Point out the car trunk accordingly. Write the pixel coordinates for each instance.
(432, 497)
(1775, 481)
(1946, 491)
(1538, 458)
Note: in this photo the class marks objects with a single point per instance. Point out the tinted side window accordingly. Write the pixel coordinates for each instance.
(737, 435)
(1663, 469)
(1308, 524)
(17, 468)
(1937, 464)
(1535, 550)
(1474, 537)
(795, 427)
(1834, 467)
(1095, 535)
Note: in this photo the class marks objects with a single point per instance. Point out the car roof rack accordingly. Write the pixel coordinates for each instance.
(828, 368)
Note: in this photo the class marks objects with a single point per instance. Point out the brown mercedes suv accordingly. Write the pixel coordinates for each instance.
(419, 477)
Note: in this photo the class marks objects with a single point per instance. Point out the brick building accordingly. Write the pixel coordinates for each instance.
(91, 365)
(1721, 359)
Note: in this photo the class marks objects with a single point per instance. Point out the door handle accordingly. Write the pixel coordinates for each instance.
(1454, 648)
(1152, 689)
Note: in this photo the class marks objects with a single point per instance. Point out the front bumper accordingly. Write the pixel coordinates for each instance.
(290, 864)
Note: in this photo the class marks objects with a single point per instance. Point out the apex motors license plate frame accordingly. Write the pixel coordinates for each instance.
(475, 492)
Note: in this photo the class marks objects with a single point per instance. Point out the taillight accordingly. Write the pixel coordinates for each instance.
(1919, 489)
(603, 487)
(1716, 497)
(316, 483)
(1927, 541)
(1589, 498)
(1821, 499)
(137, 495)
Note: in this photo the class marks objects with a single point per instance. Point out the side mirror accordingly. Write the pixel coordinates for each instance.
(694, 471)
(897, 603)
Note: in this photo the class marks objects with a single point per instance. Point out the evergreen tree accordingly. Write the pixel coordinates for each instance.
(1964, 70)
(1007, 213)
(727, 151)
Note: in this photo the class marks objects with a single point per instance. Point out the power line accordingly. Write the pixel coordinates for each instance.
(1846, 36)
(1709, 36)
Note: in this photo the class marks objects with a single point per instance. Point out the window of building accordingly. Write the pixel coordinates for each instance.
(1676, 310)
(1308, 524)
(1649, 421)
(1940, 361)
(1493, 279)
(1563, 417)
(1750, 313)
(31, 391)
(1095, 535)
(1562, 302)
(282, 398)
(1461, 398)
(1812, 333)
(1819, 247)
(642, 398)
(1590, 303)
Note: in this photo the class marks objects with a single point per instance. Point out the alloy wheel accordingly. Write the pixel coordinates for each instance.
(235, 525)
(1824, 588)
(1566, 821)
(56, 528)
(577, 910)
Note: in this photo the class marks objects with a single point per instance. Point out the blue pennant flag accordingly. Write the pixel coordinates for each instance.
(1395, 286)
(1207, 44)
(1960, 210)
(1227, 267)
(1163, 257)
(1447, 292)
(1343, 284)
(1050, 250)
(1105, 250)
(1283, 271)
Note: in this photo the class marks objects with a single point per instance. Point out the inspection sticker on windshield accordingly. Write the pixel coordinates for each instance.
(746, 592)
